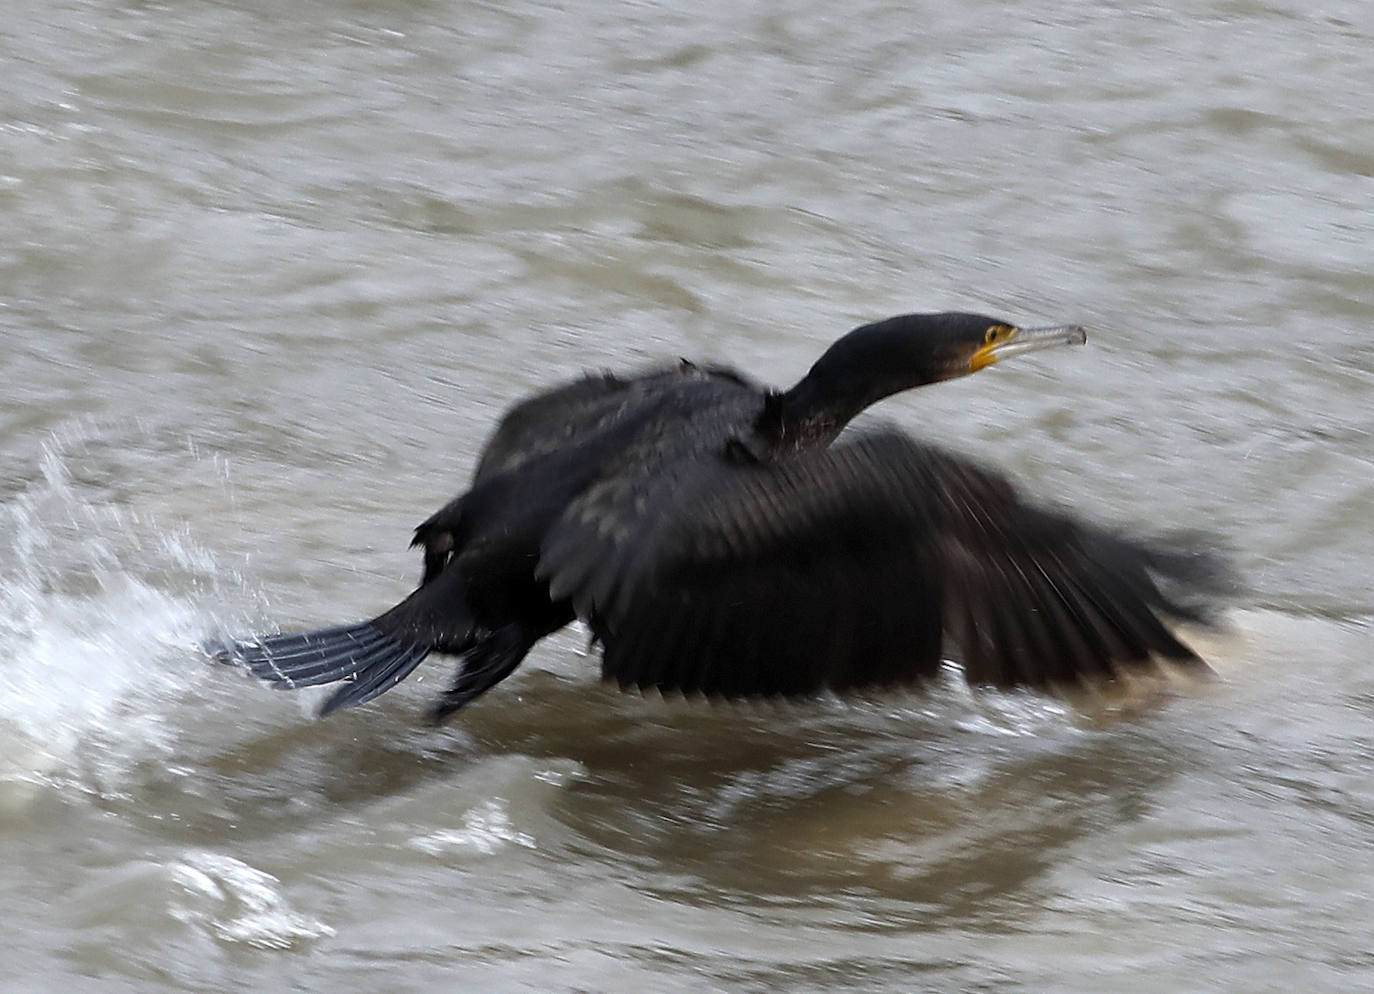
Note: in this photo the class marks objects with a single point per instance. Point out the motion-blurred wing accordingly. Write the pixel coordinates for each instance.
(850, 567)
(1034, 597)
(723, 579)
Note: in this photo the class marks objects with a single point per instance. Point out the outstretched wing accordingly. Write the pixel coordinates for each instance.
(856, 565)
(1036, 598)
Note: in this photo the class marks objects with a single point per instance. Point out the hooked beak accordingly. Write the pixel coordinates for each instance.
(1022, 340)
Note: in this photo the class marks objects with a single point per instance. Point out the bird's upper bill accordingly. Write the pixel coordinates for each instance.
(1004, 340)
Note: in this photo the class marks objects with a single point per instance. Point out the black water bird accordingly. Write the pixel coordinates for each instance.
(716, 542)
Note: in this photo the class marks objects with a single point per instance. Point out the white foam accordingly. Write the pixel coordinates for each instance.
(487, 829)
(236, 902)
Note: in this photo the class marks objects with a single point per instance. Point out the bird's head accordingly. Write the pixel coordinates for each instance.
(916, 349)
(910, 350)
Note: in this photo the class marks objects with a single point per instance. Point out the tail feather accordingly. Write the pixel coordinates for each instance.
(370, 658)
(349, 666)
(376, 679)
(290, 656)
(285, 660)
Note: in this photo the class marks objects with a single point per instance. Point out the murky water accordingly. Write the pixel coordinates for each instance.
(269, 272)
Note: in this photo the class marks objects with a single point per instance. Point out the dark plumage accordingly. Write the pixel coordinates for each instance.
(716, 542)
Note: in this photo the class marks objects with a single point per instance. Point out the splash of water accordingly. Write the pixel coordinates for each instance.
(99, 611)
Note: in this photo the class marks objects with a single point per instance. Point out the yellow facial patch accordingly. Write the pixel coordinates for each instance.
(997, 334)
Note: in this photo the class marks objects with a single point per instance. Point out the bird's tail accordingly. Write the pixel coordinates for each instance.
(370, 658)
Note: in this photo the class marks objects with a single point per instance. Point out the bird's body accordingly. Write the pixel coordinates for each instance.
(715, 541)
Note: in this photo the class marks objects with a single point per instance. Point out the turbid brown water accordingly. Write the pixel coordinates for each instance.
(269, 273)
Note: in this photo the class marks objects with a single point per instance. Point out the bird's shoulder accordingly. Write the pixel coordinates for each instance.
(565, 417)
(587, 450)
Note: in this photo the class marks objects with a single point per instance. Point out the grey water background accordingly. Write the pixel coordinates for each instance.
(269, 273)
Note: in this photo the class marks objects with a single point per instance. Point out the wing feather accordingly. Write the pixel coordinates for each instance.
(1048, 599)
(736, 580)
(855, 566)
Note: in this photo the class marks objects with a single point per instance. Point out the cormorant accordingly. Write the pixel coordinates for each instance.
(716, 542)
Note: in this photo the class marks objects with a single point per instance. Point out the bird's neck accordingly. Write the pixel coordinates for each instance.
(793, 420)
(817, 409)
(858, 370)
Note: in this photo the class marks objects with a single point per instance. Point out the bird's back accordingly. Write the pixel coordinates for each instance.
(570, 417)
(578, 449)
